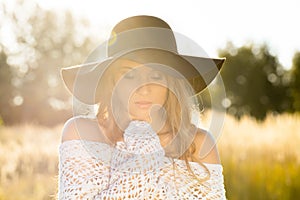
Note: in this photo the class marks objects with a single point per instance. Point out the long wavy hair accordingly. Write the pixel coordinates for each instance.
(179, 105)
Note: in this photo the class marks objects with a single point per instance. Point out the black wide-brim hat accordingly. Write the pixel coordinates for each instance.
(143, 39)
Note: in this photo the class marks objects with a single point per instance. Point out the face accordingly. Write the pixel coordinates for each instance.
(140, 90)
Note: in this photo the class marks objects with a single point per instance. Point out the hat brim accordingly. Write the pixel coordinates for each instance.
(82, 80)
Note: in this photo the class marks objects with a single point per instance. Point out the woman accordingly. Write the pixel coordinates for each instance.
(141, 144)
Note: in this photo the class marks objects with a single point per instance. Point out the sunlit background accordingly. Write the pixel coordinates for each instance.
(210, 23)
(259, 146)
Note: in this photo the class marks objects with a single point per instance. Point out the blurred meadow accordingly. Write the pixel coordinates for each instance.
(261, 160)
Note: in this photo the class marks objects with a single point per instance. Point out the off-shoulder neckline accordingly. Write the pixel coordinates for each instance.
(106, 144)
(83, 140)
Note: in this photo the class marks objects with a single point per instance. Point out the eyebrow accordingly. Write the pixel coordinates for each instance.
(127, 67)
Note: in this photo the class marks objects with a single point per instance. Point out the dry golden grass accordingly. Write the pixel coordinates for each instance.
(261, 160)
(29, 161)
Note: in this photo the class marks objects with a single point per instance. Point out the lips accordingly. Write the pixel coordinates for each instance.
(143, 104)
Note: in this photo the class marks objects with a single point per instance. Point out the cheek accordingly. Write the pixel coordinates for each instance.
(121, 95)
(161, 95)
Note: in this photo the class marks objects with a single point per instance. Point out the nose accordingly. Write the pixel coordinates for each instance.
(143, 87)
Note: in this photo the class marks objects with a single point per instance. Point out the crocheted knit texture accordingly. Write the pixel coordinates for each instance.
(134, 169)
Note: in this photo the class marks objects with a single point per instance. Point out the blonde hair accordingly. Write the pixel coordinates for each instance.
(179, 106)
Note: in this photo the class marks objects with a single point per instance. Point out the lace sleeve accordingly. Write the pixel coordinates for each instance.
(216, 182)
(135, 166)
(212, 189)
(81, 172)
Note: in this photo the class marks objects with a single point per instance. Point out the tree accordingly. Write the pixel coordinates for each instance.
(41, 42)
(295, 82)
(254, 81)
(5, 87)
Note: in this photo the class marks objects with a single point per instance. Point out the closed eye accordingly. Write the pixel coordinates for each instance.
(129, 76)
(157, 75)
(127, 72)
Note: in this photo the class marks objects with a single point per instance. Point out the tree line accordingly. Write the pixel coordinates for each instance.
(36, 43)
(257, 84)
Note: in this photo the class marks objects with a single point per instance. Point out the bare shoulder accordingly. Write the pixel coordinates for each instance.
(77, 128)
(206, 147)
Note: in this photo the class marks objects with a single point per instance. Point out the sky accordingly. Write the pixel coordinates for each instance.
(210, 23)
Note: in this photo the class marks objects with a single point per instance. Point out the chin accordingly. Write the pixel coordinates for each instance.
(139, 118)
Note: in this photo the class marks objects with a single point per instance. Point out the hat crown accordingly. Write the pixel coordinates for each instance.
(140, 21)
(141, 32)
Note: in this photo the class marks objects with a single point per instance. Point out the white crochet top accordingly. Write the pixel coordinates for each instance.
(134, 169)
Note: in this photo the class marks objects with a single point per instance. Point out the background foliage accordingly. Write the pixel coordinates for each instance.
(255, 82)
(35, 44)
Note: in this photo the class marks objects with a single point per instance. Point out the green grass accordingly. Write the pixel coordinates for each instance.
(260, 160)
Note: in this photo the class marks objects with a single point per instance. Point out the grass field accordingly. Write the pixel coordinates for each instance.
(261, 160)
